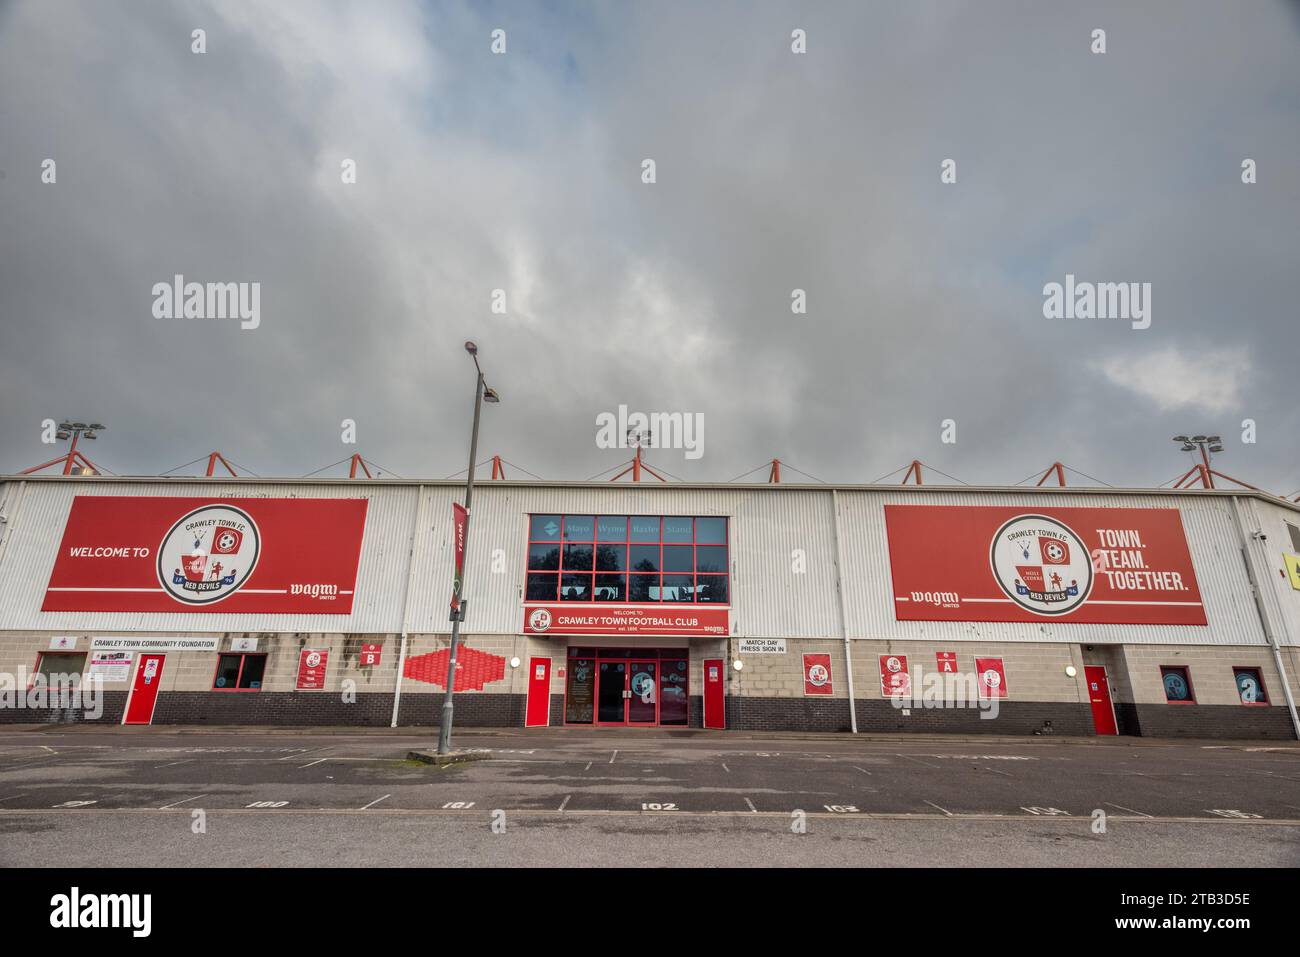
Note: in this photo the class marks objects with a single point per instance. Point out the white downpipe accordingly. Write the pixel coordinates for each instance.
(406, 600)
(844, 620)
(1264, 617)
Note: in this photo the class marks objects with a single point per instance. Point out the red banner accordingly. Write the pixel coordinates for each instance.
(1077, 565)
(817, 675)
(311, 669)
(992, 677)
(591, 619)
(240, 555)
(460, 518)
(894, 678)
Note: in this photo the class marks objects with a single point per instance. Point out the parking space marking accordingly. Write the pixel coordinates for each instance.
(565, 801)
(996, 771)
(751, 806)
(922, 763)
(725, 768)
(589, 764)
(172, 765)
(299, 752)
(937, 808)
(863, 770)
(613, 756)
(1123, 808)
(376, 801)
(313, 763)
(186, 801)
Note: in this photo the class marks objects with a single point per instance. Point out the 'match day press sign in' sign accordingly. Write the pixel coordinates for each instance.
(1082, 565)
(241, 555)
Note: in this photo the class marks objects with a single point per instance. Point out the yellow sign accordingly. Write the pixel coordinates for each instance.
(1293, 569)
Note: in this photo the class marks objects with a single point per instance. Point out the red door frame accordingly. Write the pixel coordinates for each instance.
(715, 690)
(1103, 708)
(543, 687)
(139, 672)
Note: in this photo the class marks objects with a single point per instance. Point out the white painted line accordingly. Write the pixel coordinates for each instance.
(565, 801)
(613, 756)
(299, 752)
(49, 749)
(922, 763)
(588, 767)
(1129, 809)
(863, 770)
(751, 805)
(996, 771)
(937, 808)
(186, 801)
(172, 765)
(376, 801)
(313, 763)
(725, 768)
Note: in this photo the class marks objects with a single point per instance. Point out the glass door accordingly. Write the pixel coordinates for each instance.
(611, 683)
(643, 705)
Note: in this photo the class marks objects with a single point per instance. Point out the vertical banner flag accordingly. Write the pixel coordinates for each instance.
(895, 682)
(992, 678)
(817, 674)
(461, 516)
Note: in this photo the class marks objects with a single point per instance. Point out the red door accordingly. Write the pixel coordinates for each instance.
(714, 675)
(144, 693)
(539, 693)
(1103, 712)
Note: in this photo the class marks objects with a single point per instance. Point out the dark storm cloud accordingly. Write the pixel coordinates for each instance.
(775, 172)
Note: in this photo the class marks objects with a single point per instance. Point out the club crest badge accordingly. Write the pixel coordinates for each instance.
(208, 554)
(539, 620)
(1041, 564)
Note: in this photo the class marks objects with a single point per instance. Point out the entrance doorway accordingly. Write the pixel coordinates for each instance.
(144, 690)
(1103, 710)
(621, 687)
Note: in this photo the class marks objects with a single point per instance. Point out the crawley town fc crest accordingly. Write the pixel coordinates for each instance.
(208, 554)
(1041, 565)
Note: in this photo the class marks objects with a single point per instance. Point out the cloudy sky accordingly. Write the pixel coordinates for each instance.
(775, 171)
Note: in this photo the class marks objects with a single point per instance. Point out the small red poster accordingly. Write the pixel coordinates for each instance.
(992, 677)
(311, 669)
(895, 682)
(817, 674)
(947, 661)
(370, 652)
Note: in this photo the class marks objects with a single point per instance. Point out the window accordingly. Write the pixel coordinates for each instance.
(239, 673)
(1178, 684)
(1250, 685)
(627, 558)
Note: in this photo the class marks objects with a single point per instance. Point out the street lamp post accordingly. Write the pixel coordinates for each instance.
(481, 392)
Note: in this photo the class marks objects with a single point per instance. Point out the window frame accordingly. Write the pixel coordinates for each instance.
(630, 541)
(1259, 677)
(1187, 676)
(243, 657)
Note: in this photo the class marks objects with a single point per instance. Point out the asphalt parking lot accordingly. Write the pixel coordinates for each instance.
(94, 797)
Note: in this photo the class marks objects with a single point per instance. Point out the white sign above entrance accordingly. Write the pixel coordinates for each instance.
(150, 643)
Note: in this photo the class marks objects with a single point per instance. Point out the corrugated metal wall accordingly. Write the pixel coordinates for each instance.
(1282, 600)
(783, 558)
(37, 529)
(1207, 521)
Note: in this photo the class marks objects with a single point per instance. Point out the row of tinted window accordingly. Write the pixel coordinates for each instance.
(704, 559)
(546, 586)
(674, 529)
